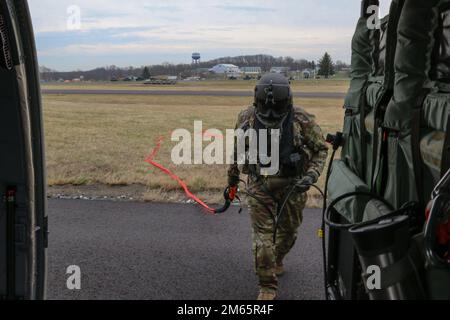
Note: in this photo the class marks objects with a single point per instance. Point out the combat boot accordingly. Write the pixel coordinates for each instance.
(267, 295)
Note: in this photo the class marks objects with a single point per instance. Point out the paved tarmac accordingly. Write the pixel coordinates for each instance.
(132, 250)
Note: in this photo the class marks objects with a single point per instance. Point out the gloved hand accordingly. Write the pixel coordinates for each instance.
(305, 183)
(233, 181)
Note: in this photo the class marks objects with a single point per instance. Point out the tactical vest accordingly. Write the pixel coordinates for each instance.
(291, 157)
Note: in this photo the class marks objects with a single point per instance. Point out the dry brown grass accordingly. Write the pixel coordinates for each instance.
(104, 139)
(301, 85)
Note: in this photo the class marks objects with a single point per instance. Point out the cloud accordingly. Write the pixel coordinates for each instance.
(247, 9)
(299, 28)
(262, 38)
(101, 49)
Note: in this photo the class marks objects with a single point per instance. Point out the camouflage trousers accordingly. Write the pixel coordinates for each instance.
(266, 253)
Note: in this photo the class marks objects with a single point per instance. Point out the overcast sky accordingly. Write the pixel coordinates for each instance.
(142, 32)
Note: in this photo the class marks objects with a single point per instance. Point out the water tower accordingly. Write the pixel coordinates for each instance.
(196, 58)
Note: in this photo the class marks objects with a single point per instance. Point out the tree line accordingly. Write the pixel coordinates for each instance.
(266, 62)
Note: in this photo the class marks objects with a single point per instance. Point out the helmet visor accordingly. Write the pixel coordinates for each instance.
(273, 111)
(274, 91)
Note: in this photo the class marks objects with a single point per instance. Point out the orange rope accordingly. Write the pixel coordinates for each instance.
(150, 160)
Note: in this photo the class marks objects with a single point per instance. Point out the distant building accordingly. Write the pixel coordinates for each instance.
(230, 70)
(192, 79)
(130, 78)
(307, 73)
(251, 71)
(280, 70)
(196, 58)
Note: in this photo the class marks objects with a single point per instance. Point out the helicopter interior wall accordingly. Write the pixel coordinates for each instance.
(342, 267)
(17, 246)
(403, 65)
(9, 165)
(14, 173)
(374, 44)
(354, 102)
(344, 181)
(436, 106)
(416, 42)
(373, 94)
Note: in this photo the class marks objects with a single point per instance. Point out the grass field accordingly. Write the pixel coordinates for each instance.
(103, 140)
(300, 85)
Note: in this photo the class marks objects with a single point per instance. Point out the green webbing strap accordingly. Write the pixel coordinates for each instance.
(416, 126)
(417, 157)
(391, 42)
(362, 128)
(379, 142)
(388, 85)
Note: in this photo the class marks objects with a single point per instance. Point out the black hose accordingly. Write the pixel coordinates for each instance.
(286, 199)
(277, 219)
(325, 220)
(224, 208)
(341, 226)
(227, 204)
(324, 195)
(280, 213)
(254, 196)
(323, 226)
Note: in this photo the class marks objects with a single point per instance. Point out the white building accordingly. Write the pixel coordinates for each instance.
(280, 70)
(308, 73)
(251, 71)
(230, 70)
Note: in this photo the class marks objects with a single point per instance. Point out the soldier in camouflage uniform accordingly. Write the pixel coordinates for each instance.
(300, 135)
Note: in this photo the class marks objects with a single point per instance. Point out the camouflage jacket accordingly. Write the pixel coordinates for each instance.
(308, 137)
